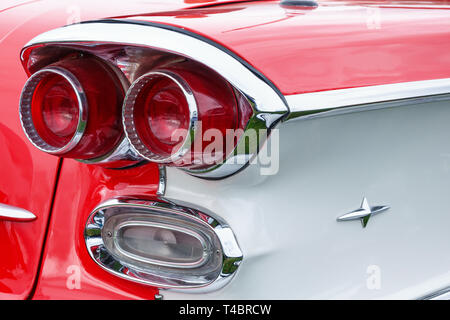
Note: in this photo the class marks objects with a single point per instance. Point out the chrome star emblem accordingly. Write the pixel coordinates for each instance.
(364, 213)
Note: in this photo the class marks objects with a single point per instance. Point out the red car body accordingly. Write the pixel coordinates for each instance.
(299, 49)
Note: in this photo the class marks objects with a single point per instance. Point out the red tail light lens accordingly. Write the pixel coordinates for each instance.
(73, 109)
(168, 112)
(55, 110)
(161, 108)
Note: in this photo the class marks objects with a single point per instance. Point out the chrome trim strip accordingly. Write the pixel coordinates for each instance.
(26, 118)
(123, 151)
(10, 213)
(162, 181)
(443, 294)
(311, 104)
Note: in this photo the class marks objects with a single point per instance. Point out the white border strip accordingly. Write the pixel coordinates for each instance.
(333, 99)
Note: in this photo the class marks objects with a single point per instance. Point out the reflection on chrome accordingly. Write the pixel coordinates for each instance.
(11, 213)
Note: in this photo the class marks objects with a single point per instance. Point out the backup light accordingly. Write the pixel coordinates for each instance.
(160, 244)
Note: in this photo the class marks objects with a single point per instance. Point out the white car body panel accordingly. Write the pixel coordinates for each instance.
(286, 223)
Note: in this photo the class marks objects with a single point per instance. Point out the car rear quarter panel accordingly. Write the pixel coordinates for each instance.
(286, 224)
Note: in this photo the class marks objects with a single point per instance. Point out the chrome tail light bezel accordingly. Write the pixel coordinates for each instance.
(26, 119)
(166, 278)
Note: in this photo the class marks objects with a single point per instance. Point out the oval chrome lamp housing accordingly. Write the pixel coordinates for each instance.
(161, 244)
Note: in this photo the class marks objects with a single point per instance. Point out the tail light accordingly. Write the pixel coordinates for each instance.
(188, 103)
(72, 108)
(169, 112)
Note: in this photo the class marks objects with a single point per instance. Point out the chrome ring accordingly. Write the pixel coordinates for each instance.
(26, 118)
(128, 119)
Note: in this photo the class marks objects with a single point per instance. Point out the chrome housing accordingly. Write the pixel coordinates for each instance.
(221, 258)
(138, 39)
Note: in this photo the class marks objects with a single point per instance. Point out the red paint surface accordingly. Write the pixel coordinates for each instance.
(26, 179)
(337, 45)
(81, 188)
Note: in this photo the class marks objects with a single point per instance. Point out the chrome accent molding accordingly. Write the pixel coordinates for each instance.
(443, 294)
(313, 104)
(26, 119)
(162, 181)
(122, 152)
(363, 213)
(10, 213)
(130, 127)
(332, 102)
(230, 251)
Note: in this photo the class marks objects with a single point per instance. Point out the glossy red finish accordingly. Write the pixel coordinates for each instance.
(27, 177)
(340, 44)
(80, 189)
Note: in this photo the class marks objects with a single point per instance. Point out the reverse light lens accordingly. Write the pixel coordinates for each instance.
(151, 240)
(161, 244)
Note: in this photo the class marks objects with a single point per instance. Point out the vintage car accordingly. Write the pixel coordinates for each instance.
(220, 149)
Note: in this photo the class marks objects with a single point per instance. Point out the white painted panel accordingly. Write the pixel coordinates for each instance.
(286, 223)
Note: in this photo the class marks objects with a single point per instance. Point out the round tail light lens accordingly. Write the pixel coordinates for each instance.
(53, 110)
(168, 112)
(73, 109)
(163, 106)
(58, 106)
